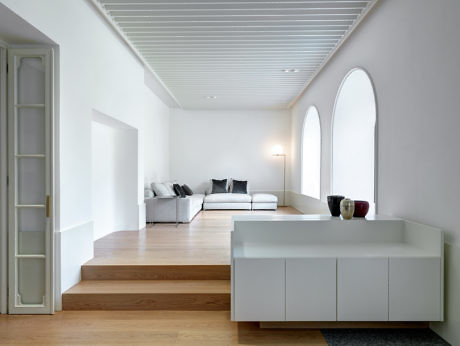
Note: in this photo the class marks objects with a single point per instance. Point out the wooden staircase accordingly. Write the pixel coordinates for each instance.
(151, 287)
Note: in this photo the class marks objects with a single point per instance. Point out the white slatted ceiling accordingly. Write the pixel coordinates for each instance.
(235, 50)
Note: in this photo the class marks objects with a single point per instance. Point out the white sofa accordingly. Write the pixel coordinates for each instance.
(230, 201)
(159, 209)
(264, 201)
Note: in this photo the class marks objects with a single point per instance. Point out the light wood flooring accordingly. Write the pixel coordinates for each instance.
(196, 251)
(206, 240)
(145, 328)
(161, 267)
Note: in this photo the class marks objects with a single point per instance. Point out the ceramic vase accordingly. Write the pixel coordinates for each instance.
(347, 208)
(333, 202)
(361, 208)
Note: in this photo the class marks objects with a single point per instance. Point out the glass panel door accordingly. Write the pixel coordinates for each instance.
(30, 185)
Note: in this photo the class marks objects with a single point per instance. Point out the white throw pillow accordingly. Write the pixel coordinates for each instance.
(148, 193)
(169, 187)
(160, 190)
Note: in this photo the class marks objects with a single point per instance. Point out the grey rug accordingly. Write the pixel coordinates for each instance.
(382, 337)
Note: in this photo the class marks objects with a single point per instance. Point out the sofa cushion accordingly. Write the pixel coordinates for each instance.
(239, 186)
(170, 188)
(161, 190)
(179, 190)
(227, 198)
(219, 186)
(188, 191)
(264, 198)
(197, 198)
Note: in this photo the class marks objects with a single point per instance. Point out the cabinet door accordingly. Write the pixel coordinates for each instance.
(259, 289)
(415, 289)
(362, 289)
(311, 289)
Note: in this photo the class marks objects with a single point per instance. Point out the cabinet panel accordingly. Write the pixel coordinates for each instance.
(311, 289)
(362, 289)
(415, 289)
(259, 289)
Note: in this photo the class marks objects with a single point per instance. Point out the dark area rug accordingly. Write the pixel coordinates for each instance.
(380, 337)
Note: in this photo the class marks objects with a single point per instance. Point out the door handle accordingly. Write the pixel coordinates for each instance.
(47, 206)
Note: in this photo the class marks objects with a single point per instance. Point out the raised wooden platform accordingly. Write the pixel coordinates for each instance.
(155, 272)
(161, 267)
(187, 295)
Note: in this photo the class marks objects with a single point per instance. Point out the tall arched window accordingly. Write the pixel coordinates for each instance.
(353, 139)
(311, 154)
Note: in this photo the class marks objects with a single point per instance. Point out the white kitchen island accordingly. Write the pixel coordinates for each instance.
(323, 268)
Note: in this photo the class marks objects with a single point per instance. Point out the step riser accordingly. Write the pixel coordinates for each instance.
(148, 301)
(147, 272)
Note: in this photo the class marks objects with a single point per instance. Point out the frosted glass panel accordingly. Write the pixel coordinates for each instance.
(31, 131)
(31, 280)
(31, 231)
(31, 181)
(31, 81)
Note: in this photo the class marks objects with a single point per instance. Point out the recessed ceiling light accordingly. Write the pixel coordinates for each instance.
(210, 97)
(287, 70)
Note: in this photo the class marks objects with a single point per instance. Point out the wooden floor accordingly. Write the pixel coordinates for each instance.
(200, 245)
(161, 267)
(206, 240)
(145, 328)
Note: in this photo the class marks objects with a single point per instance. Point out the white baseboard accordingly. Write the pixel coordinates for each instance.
(142, 216)
(74, 246)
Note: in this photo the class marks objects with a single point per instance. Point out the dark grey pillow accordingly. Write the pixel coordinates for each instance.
(240, 186)
(179, 190)
(219, 186)
(188, 191)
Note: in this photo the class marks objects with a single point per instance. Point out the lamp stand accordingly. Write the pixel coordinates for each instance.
(284, 177)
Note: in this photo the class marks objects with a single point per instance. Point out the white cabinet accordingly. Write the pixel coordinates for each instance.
(259, 289)
(415, 289)
(362, 289)
(311, 289)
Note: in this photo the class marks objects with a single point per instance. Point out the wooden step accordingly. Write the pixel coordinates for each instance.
(155, 272)
(187, 295)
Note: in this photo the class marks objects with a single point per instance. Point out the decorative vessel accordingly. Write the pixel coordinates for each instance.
(347, 208)
(333, 202)
(361, 208)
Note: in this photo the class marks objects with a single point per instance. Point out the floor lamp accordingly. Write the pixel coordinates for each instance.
(278, 152)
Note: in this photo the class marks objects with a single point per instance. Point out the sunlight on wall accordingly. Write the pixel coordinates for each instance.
(353, 139)
(311, 154)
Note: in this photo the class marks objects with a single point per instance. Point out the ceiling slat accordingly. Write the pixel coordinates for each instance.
(236, 50)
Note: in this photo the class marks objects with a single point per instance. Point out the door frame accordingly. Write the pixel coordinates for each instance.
(3, 184)
(48, 53)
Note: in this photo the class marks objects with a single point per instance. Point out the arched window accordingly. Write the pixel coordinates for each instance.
(311, 154)
(353, 139)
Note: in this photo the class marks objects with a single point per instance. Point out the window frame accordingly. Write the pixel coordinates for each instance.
(376, 127)
(313, 106)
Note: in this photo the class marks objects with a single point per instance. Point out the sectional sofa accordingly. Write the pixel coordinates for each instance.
(167, 209)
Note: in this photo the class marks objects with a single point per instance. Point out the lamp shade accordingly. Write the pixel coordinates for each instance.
(277, 150)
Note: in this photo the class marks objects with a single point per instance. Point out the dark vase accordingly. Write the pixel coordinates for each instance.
(361, 208)
(334, 204)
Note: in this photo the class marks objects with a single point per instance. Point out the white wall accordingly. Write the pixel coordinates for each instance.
(96, 72)
(114, 179)
(228, 144)
(156, 143)
(411, 51)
